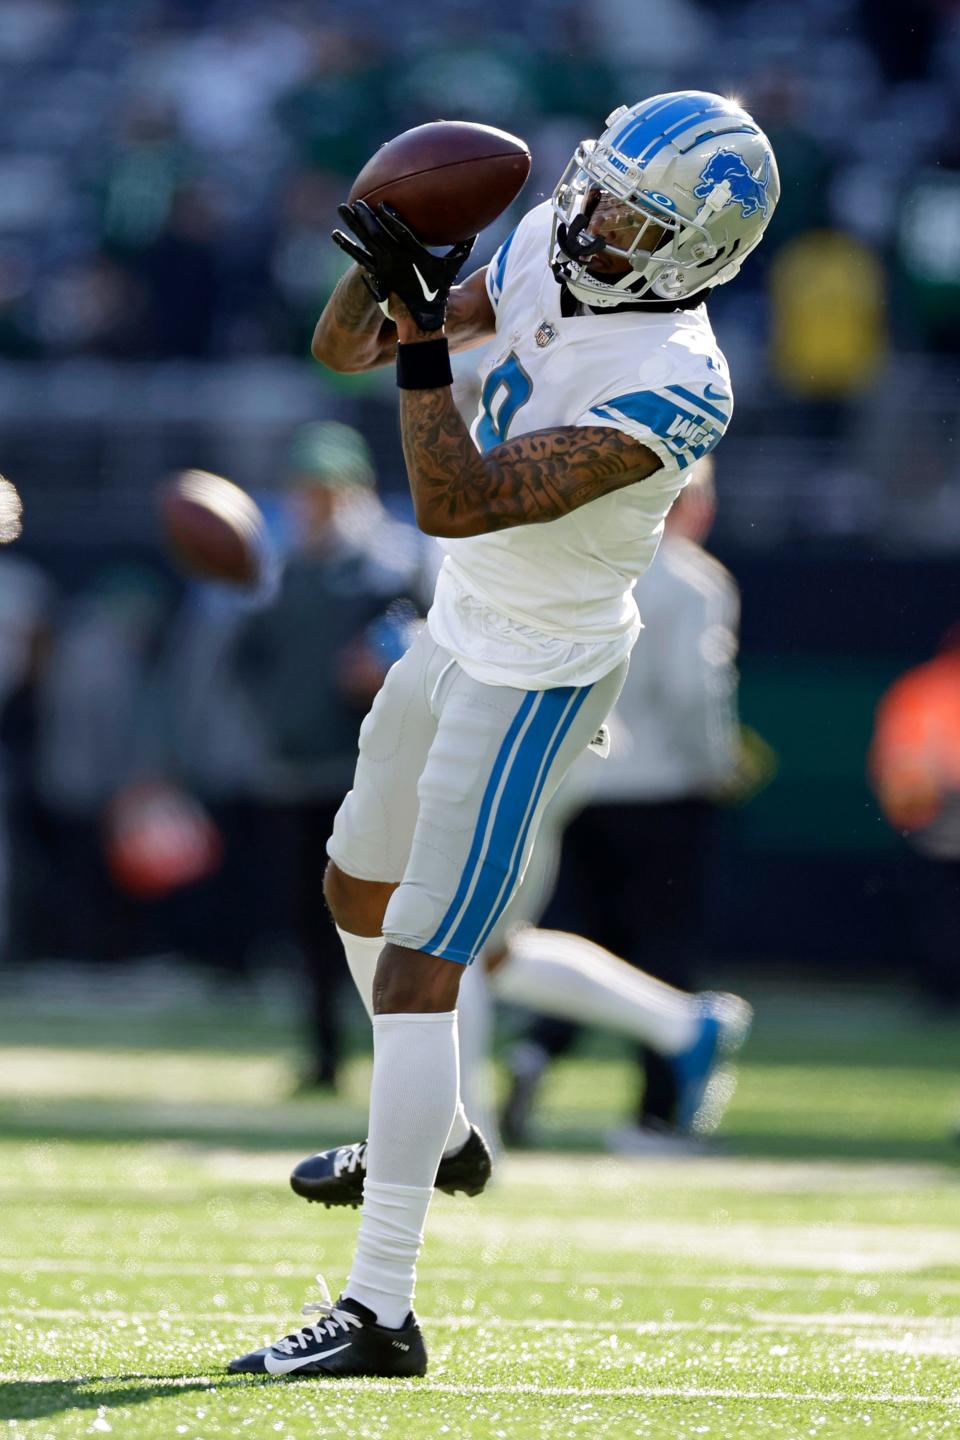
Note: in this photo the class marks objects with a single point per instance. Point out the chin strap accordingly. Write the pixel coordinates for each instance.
(574, 244)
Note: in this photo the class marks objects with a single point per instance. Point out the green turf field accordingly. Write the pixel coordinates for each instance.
(804, 1283)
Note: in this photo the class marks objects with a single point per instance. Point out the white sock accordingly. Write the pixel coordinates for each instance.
(413, 1098)
(362, 952)
(474, 1025)
(571, 978)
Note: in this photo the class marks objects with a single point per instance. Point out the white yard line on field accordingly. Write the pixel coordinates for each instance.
(813, 1248)
(580, 1392)
(909, 1345)
(841, 1246)
(130, 1266)
(946, 1330)
(853, 1249)
(856, 1320)
(446, 1322)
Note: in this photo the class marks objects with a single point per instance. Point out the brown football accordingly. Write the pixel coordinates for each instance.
(212, 528)
(447, 180)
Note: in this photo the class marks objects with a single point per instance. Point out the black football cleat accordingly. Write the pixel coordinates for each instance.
(335, 1177)
(344, 1340)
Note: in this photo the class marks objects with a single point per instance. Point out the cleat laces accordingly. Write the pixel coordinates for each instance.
(332, 1323)
(350, 1158)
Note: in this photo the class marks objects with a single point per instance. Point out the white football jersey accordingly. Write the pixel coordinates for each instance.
(544, 605)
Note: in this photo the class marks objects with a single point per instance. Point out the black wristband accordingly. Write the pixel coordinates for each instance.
(424, 365)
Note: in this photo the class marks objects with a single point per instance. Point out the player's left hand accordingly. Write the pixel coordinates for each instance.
(394, 262)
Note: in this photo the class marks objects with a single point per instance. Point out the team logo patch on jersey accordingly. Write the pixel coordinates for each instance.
(544, 334)
(747, 190)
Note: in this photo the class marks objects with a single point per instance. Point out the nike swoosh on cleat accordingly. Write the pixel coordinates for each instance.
(274, 1366)
(427, 294)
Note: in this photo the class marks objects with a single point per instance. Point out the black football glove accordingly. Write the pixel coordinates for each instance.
(394, 262)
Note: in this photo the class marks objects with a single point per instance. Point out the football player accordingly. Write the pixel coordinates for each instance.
(605, 387)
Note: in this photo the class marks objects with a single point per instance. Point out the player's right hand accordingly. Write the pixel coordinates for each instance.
(394, 262)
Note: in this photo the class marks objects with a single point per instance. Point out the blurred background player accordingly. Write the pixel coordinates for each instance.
(633, 866)
(914, 765)
(612, 889)
(27, 608)
(297, 668)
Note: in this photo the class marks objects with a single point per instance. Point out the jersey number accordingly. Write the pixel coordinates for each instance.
(505, 389)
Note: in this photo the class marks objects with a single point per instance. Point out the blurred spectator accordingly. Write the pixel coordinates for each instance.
(142, 175)
(224, 77)
(928, 251)
(26, 603)
(308, 667)
(634, 860)
(124, 120)
(902, 39)
(780, 102)
(828, 317)
(95, 305)
(573, 75)
(673, 34)
(303, 265)
(466, 71)
(95, 696)
(181, 273)
(914, 765)
(337, 114)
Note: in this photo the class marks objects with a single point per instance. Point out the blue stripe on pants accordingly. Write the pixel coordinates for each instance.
(513, 876)
(498, 861)
(486, 804)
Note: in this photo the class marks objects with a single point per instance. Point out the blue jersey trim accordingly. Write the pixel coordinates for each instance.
(700, 403)
(498, 266)
(646, 407)
(668, 420)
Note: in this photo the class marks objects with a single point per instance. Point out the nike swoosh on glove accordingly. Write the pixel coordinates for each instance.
(394, 262)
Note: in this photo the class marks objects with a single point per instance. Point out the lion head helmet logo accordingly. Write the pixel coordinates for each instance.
(746, 189)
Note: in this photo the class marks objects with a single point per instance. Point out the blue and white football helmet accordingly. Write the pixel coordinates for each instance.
(684, 183)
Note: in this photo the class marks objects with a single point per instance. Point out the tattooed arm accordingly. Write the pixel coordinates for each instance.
(354, 334)
(537, 477)
(457, 491)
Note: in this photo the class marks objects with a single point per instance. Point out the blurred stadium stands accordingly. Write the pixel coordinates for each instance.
(169, 173)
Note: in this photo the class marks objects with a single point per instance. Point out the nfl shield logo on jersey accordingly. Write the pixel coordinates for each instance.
(545, 334)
